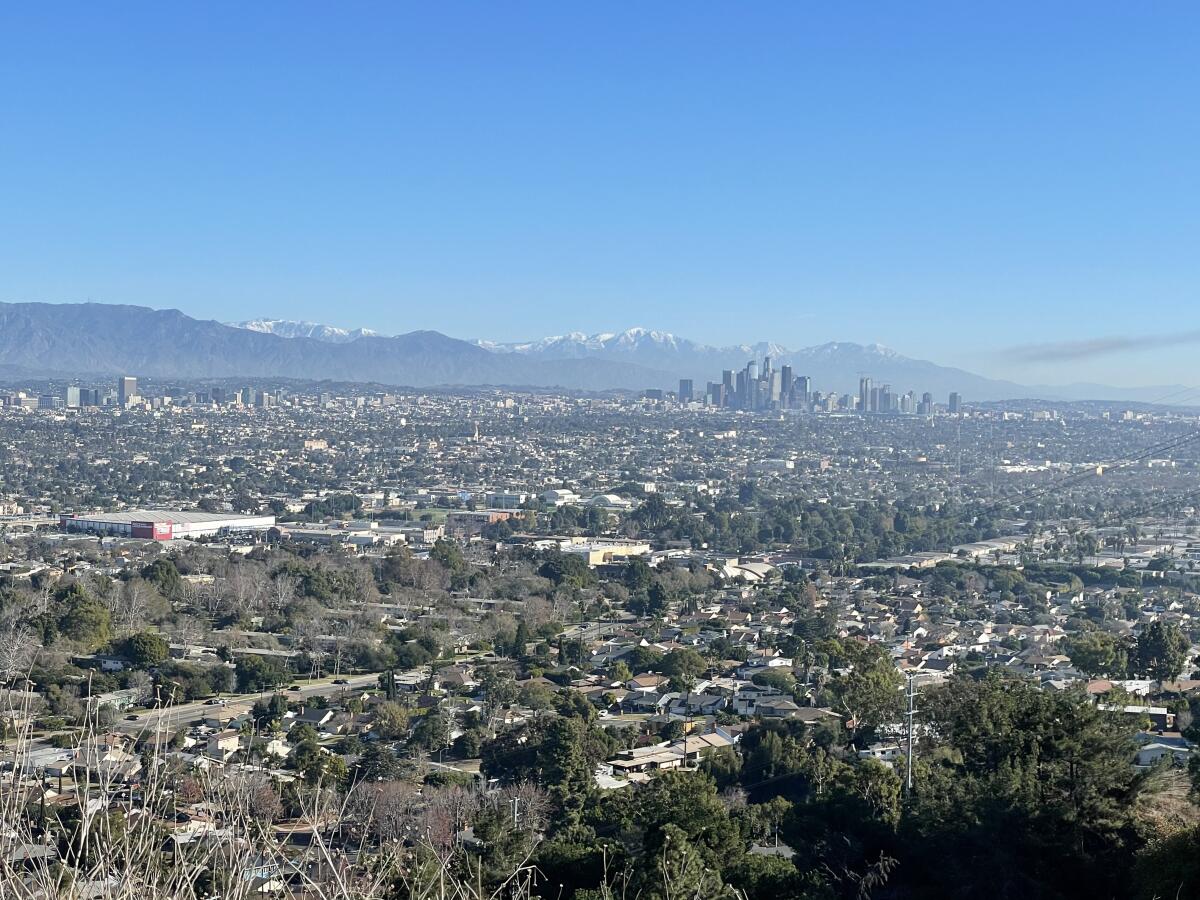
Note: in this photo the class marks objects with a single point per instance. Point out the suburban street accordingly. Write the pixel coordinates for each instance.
(173, 717)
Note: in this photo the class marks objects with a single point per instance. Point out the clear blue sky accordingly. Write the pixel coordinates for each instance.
(951, 179)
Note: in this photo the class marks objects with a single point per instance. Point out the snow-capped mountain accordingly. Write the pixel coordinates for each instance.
(658, 349)
(289, 329)
(93, 338)
(835, 366)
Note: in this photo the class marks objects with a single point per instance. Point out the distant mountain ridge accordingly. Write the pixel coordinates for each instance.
(93, 338)
(290, 329)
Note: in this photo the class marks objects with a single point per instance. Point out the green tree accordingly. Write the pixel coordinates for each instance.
(870, 693)
(1162, 650)
(565, 768)
(1098, 653)
(258, 673)
(674, 868)
(684, 662)
(391, 721)
(86, 621)
(146, 649)
(448, 553)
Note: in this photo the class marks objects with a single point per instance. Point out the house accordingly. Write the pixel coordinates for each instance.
(1161, 718)
(224, 744)
(786, 709)
(646, 759)
(107, 757)
(647, 683)
(745, 701)
(1156, 747)
(690, 704)
(314, 716)
(456, 677)
(883, 752)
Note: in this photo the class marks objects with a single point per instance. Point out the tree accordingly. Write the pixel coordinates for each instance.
(257, 673)
(675, 868)
(391, 721)
(683, 662)
(565, 768)
(163, 574)
(378, 763)
(448, 553)
(1098, 653)
(870, 693)
(1033, 787)
(146, 649)
(87, 621)
(1162, 650)
(432, 731)
(567, 568)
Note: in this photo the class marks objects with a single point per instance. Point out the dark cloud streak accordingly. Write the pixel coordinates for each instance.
(1069, 351)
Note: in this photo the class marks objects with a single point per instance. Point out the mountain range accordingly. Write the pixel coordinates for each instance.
(288, 329)
(105, 339)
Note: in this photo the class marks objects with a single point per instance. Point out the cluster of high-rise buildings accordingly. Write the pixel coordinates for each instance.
(127, 395)
(766, 387)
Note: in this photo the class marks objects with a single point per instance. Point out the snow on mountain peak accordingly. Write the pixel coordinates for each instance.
(286, 328)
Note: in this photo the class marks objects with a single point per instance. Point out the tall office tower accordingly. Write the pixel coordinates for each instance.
(739, 391)
(218, 395)
(716, 394)
(685, 390)
(789, 386)
(752, 370)
(804, 390)
(126, 390)
(955, 403)
(766, 369)
(774, 385)
(71, 397)
(727, 382)
(864, 394)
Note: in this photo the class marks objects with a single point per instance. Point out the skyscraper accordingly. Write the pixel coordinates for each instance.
(955, 403)
(864, 394)
(71, 397)
(789, 386)
(126, 390)
(804, 390)
(685, 390)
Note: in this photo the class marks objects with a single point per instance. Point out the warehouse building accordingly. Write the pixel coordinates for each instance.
(164, 524)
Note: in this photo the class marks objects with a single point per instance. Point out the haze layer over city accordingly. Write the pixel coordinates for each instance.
(563, 453)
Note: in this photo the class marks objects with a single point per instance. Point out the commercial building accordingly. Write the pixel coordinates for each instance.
(163, 524)
(126, 390)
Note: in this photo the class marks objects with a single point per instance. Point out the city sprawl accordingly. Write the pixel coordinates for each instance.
(334, 640)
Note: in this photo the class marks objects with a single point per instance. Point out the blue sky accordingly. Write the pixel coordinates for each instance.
(950, 179)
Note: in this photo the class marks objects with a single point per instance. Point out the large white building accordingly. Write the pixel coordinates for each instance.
(164, 524)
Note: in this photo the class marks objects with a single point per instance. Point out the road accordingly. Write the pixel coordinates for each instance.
(172, 718)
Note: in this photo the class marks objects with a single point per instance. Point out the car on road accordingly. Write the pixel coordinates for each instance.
(215, 701)
(294, 687)
(132, 718)
(341, 681)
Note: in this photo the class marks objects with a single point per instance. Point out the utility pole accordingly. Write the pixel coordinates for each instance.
(910, 714)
